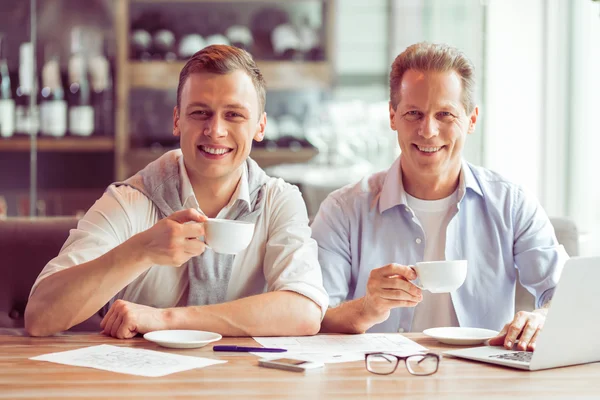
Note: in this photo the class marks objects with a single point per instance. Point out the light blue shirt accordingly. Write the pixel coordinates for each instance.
(496, 226)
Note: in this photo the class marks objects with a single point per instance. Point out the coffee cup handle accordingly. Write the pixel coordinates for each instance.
(203, 239)
(414, 281)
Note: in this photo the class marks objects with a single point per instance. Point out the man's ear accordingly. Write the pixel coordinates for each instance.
(392, 117)
(473, 120)
(176, 131)
(260, 128)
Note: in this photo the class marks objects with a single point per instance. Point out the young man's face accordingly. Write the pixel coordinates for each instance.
(219, 116)
(431, 123)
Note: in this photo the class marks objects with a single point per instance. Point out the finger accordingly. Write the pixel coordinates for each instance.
(107, 317)
(194, 247)
(389, 304)
(116, 325)
(125, 331)
(187, 215)
(533, 340)
(514, 330)
(109, 322)
(396, 270)
(527, 334)
(398, 295)
(499, 339)
(400, 284)
(193, 230)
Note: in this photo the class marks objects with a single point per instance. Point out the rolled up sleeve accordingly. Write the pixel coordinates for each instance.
(331, 231)
(291, 261)
(106, 225)
(537, 254)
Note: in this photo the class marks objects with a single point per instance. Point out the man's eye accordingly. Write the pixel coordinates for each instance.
(445, 114)
(412, 115)
(199, 112)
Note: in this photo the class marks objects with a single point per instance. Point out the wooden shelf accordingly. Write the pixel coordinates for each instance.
(139, 158)
(65, 144)
(280, 75)
(216, 1)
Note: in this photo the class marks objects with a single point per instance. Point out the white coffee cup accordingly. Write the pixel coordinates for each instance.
(227, 236)
(441, 276)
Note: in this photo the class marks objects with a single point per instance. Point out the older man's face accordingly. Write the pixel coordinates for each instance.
(431, 123)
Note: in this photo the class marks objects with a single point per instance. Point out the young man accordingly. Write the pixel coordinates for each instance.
(138, 250)
(433, 205)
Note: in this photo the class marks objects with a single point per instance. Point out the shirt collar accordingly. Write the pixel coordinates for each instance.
(393, 194)
(188, 197)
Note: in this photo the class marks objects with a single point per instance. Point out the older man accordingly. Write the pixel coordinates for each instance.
(136, 251)
(433, 205)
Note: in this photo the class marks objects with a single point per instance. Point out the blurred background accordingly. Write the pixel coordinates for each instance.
(87, 91)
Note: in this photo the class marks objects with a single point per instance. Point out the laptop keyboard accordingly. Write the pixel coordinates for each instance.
(523, 356)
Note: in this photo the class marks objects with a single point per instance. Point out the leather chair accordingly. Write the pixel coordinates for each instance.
(26, 246)
(568, 236)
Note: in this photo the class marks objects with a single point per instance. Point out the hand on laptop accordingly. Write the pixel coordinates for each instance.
(525, 327)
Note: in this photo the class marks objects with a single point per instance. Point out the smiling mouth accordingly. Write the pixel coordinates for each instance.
(429, 149)
(217, 151)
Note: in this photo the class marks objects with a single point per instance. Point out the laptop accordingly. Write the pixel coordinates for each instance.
(572, 328)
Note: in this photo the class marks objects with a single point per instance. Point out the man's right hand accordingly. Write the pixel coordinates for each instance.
(172, 241)
(389, 287)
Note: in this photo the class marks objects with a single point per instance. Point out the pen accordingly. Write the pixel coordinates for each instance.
(248, 349)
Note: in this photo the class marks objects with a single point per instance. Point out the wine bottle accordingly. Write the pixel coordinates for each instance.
(141, 42)
(26, 117)
(102, 87)
(81, 111)
(286, 42)
(240, 36)
(163, 42)
(53, 107)
(7, 103)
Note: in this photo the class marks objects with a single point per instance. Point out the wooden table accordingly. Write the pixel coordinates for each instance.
(241, 378)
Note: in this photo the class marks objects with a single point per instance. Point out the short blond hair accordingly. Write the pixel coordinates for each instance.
(426, 57)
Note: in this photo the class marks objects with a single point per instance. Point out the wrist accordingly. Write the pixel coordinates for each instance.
(169, 317)
(135, 249)
(367, 316)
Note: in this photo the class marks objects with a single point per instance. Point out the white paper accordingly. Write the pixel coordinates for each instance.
(339, 348)
(127, 360)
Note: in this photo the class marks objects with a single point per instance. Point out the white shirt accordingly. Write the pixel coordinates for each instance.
(281, 256)
(436, 309)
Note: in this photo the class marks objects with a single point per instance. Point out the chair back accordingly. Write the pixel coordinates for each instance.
(26, 246)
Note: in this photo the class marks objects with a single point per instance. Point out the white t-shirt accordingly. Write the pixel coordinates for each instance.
(281, 256)
(436, 309)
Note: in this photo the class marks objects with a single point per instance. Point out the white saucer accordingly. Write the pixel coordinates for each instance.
(182, 339)
(460, 336)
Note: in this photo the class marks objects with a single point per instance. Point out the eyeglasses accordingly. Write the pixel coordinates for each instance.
(417, 364)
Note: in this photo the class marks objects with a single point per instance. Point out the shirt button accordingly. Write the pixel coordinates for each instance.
(418, 240)
(400, 330)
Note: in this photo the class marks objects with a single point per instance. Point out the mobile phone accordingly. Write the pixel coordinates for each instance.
(290, 364)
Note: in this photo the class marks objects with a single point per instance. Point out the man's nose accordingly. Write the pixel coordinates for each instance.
(429, 127)
(215, 128)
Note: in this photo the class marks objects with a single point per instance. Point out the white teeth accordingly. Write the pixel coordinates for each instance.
(214, 151)
(429, 149)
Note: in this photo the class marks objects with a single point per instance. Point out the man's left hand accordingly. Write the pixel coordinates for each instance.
(525, 327)
(125, 319)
